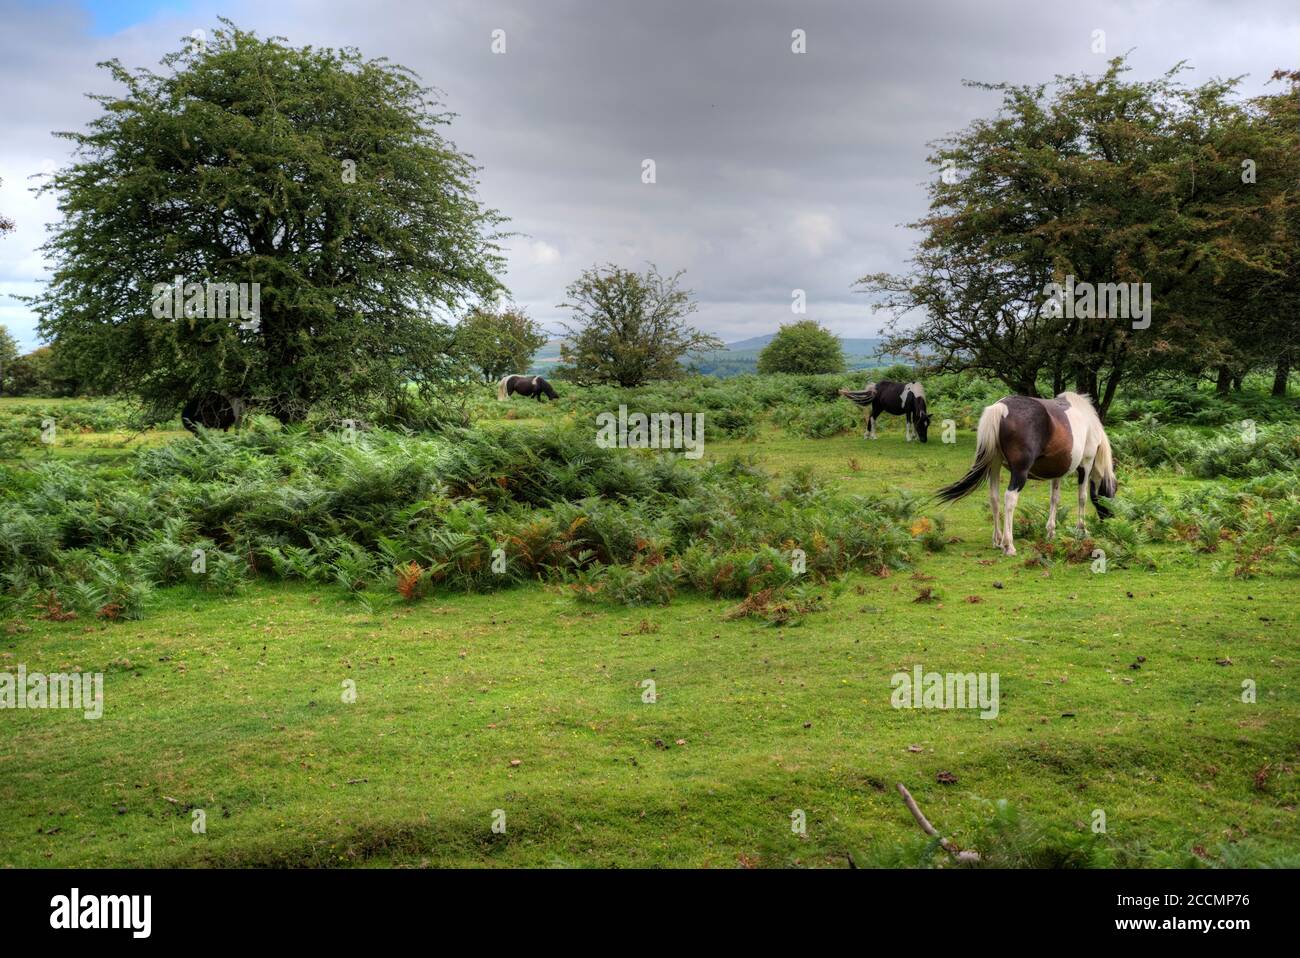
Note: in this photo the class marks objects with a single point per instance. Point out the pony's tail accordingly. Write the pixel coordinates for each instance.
(501, 388)
(1103, 468)
(987, 454)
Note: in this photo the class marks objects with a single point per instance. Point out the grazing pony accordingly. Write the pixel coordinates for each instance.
(1039, 439)
(212, 411)
(534, 386)
(901, 399)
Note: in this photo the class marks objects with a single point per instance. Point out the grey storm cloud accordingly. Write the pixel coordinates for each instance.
(774, 170)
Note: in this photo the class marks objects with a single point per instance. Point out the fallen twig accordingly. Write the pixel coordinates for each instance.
(957, 853)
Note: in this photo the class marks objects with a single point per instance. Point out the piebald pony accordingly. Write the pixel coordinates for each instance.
(1039, 439)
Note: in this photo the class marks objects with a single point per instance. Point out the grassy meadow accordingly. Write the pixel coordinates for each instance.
(1121, 693)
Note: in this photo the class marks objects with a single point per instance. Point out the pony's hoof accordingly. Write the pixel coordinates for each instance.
(1051, 533)
(1009, 551)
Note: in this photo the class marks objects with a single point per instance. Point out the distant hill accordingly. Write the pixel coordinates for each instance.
(742, 357)
(855, 346)
(551, 351)
(754, 342)
(736, 359)
(852, 347)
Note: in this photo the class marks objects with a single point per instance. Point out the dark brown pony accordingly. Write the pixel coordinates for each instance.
(901, 399)
(1039, 439)
(534, 386)
(212, 411)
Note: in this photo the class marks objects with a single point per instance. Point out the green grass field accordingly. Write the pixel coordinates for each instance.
(527, 702)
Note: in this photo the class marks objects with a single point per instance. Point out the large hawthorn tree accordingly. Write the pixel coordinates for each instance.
(1263, 231)
(319, 175)
(1100, 178)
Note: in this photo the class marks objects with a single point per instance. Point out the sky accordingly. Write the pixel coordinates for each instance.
(774, 170)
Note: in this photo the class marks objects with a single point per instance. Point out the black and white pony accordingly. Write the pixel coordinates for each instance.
(1039, 439)
(534, 386)
(212, 411)
(901, 399)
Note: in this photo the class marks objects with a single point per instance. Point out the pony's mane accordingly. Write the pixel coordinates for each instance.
(1081, 402)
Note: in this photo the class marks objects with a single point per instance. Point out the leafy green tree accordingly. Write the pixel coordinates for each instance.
(805, 347)
(628, 327)
(1233, 291)
(8, 355)
(316, 177)
(1262, 227)
(39, 373)
(497, 342)
(1103, 179)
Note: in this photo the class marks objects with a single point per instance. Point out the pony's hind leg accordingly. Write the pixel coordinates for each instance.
(1009, 512)
(1080, 527)
(1051, 510)
(871, 425)
(995, 501)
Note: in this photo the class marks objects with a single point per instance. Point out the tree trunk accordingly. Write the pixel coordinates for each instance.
(1281, 374)
(1023, 386)
(1103, 406)
(1236, 384)
(1225, 380)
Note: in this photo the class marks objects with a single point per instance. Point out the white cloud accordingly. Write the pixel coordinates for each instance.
(814, 233)
(542, 254)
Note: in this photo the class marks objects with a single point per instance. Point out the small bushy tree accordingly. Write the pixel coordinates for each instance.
(498, 342)
(37, 373)
(40, 373)
(8, 354)
(628, 327)
(805, 348)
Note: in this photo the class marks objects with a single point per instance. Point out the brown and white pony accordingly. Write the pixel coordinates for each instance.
(901, 399)
(534, 386)
(1039, 439)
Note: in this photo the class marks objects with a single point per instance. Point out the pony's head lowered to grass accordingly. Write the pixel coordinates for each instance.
(1101, 478)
